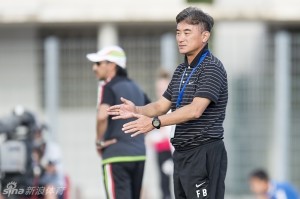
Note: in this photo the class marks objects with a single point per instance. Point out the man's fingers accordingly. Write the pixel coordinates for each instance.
(135, 134)
(117, 117)
(113, 108)
(131, 130)
(124, 100)
(109, 142)
(128, 124)
(113, 112)
(125, 116)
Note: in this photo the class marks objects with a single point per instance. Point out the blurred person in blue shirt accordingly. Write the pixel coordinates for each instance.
(264, 188)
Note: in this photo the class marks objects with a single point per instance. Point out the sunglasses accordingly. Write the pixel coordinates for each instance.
(99, 63)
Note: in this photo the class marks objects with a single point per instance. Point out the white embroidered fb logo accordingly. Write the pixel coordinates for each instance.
(198, 191)
(204, 193)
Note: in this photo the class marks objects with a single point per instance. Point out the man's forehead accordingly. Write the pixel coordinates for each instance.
(185, 26)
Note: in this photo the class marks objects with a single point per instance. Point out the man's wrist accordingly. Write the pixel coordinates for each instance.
(156, 123)
(137, 110)
(99, 143)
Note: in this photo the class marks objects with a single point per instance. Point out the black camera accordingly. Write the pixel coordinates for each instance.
(16, 136)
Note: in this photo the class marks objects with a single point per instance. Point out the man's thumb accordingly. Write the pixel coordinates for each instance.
(124, 100)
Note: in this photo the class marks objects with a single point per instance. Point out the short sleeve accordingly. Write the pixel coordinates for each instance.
(168, 93)
(210, 83)
(108, 96)
(147, 100)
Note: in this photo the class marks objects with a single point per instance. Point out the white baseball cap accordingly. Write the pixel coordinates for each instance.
(113, 54)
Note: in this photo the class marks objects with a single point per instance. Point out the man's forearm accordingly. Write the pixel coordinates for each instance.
(157, 108)
(150, 110)
(186, 113)
(181, 115)
(102, 121)
(101, 128)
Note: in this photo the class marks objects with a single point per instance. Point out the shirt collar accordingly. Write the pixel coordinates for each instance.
(114, 79)
(271, 188)
(196, 59)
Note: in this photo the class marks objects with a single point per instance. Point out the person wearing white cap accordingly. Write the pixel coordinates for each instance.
(123, 158)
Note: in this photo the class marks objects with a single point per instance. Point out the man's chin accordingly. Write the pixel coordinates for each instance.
(182, 51)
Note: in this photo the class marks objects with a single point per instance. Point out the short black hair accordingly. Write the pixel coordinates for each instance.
(260, 174)
(195, 16)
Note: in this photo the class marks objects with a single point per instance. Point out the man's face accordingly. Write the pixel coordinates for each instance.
(258, 187)
(190, 38)
(101, 69)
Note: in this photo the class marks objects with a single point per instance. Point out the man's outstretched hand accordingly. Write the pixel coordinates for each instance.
(122, 111)
(141, 125)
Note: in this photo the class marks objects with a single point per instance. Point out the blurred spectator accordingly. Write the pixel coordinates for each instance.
(159, 139)
(48, 167)
(264, 188)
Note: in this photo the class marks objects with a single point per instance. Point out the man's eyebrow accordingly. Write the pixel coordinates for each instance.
(185, 30)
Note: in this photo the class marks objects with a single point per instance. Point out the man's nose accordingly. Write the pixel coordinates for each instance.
(180, 38)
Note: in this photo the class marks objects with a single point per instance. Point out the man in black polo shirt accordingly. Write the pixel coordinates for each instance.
(197, 95)
(123, 158)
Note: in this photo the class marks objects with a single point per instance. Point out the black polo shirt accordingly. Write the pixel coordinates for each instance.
(208, 81)
(126, 149)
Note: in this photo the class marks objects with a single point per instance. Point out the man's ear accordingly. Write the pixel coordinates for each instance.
(206, 36)
(112, 65)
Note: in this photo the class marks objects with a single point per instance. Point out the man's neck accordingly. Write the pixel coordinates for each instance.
(110, 76)
(191, 56)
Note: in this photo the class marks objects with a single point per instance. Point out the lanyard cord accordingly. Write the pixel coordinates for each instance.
(179, 98)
